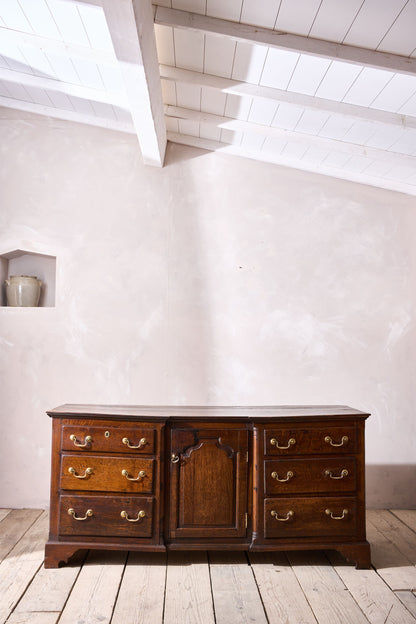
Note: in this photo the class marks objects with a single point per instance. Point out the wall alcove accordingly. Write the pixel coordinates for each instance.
(23, 262)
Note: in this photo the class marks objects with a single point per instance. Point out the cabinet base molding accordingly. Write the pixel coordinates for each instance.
(58, 554)
(156, 479)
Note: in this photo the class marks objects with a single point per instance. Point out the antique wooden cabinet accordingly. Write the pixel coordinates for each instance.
(253, 478)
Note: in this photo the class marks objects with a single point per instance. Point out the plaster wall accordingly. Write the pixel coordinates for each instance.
(214, 280)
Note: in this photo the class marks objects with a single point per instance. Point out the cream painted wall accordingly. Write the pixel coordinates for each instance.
(213, 280)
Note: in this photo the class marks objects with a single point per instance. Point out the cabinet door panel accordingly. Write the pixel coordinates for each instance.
(208, 483)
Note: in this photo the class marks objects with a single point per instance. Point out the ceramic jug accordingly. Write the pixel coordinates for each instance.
(23, 290)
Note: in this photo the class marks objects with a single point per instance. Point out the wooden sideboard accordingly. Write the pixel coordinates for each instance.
(207, 478)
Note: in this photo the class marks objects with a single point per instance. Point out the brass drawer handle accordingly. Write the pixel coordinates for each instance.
(87, 440)
(329, 513)
(174, 458)
(88, 513)
(139, 477)
(344, 473)
(344, 440)
(87, 472)
(275, 515)
(141, 443)
(140, 515)
(275, 443)
(289, 475)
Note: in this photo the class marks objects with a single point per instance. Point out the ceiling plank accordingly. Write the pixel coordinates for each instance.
(238, 125)
(87, 93)
(67, 115)
(285, 41)
(309, 102)
(16, 37)
(130, 23)
(279, 159)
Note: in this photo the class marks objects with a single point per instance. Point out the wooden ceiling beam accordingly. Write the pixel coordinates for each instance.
(284, 160)
(76, 90)
(67, 115)
(285, 41)
(16, 37)
(324, 143)
(130, 23)
(308, 102)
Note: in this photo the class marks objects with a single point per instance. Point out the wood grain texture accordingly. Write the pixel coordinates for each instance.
(42, 617)
(309, 516)
(310, 475)
(108, 438)
(13, 527)
(188, 589)
(4, 513)
(391, 564)
(281, 594)
(97, 473)
(94, 595)
(194, 587)
(21, 564)
(407, 516)
(208, 485)
(163, 413)
(408, 598)
(373, 596)
(49, 589)
(324, 590)
(106, 519)
(309, 441)
(209, 482)
(236, 597)
(396, 531)
(142, 590)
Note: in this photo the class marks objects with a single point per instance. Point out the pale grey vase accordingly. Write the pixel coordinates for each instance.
(23, 290)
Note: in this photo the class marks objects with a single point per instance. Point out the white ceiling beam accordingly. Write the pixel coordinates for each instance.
(309, 102)
(45, 44)
(324, 143)
(278, 159)
(285, 41)
(58, 113)
(87, 93)
(130, 23)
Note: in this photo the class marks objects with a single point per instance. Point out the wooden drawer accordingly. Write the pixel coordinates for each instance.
(299, 441)
(106, 474)
(109, 439)
(309, 517)
(294, 476)
(101, 515)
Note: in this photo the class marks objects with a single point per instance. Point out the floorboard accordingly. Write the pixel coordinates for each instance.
(142, 590)
(408, 516)
(395, 531)
(376, 600)
(234, 590)
(324, 589)
(94, 594)
(191, 587)
(391, 564)
(281, 593)
(21, 564)
(14, 526)
(188, 597)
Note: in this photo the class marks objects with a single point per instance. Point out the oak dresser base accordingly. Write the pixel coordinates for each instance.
(259, 479)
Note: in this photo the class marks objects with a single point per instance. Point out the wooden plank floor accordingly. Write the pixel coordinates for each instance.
(208, 588)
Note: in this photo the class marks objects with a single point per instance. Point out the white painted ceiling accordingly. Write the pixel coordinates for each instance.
(321, 85)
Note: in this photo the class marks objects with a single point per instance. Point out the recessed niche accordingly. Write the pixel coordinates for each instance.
(21, 262)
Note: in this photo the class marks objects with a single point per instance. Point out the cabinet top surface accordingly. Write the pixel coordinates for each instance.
(228, 412)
